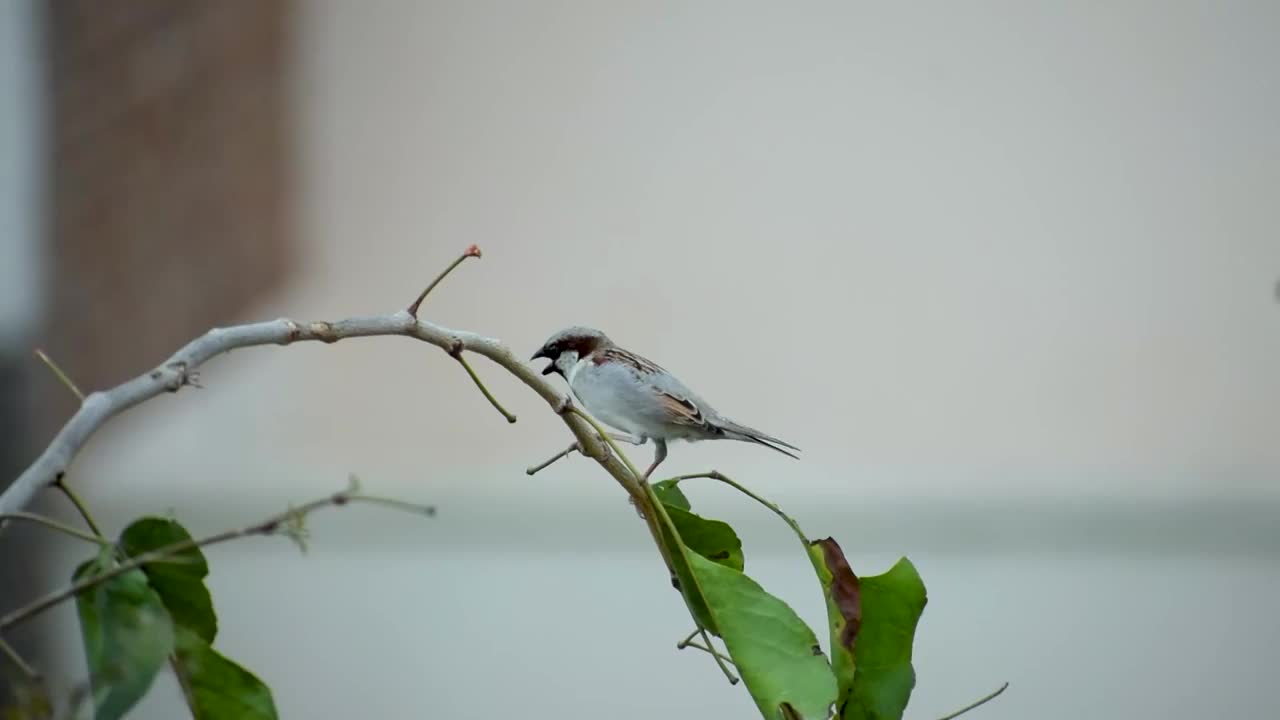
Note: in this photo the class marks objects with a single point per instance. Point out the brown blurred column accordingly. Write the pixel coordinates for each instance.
(170, 182)
(170, 150)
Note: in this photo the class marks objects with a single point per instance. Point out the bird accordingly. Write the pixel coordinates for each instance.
(639, 397)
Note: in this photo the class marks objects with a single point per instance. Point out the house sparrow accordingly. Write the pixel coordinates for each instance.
(635, 395)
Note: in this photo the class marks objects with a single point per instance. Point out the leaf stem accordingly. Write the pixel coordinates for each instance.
(55, 525)
(717, 475)
(971, 706)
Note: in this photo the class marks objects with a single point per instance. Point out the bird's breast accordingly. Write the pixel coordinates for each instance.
(610, 394)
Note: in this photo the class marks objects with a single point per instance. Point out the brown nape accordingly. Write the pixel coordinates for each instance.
(584, 344)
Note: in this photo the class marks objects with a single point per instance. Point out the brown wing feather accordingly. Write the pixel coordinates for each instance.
(682, 411)
(644, 366)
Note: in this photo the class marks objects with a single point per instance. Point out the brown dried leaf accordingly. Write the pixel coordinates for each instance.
(845, 594)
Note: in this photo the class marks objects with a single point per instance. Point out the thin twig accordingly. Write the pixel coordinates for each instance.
(287, 522)
(66, 380)
(685, 642)
(23, 666)
(535, 469)
(81, 506)
(689, 642)
(733, 679)
(971, 706)
(473, 251)
(698, 646)
(60, 480)
(55, 525)
(484, 390)
(576, 447)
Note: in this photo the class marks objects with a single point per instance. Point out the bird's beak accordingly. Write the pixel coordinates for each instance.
(542, 353)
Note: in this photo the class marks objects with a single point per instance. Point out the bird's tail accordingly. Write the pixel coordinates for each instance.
(734, 431)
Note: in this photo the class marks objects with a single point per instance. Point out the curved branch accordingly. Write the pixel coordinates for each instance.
(178, 371)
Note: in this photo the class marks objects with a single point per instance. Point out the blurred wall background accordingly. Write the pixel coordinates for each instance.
(146, 196)
(1004, 270)
(22, 172)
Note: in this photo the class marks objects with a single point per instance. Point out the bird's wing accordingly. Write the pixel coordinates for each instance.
(682, 410)
(680, 404)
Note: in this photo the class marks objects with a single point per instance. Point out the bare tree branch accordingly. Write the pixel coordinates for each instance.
(176, 372)
(288, 523)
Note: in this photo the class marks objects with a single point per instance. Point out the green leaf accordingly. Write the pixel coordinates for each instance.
(180, 579)
(127, 635)
(712, 539)
(217, 688)
(669, 492)
(685, 581)
(873, 622)
(775, 652)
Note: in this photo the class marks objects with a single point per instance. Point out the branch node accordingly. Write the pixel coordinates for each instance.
(323, 332)
(565, 405)
(293, 332)
(183, 375)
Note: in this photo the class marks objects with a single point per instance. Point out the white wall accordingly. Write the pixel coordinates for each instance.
(1003, 269)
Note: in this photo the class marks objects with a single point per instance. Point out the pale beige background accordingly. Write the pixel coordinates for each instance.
(1005, 270)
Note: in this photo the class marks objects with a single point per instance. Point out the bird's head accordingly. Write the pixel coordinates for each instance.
(565, 348)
